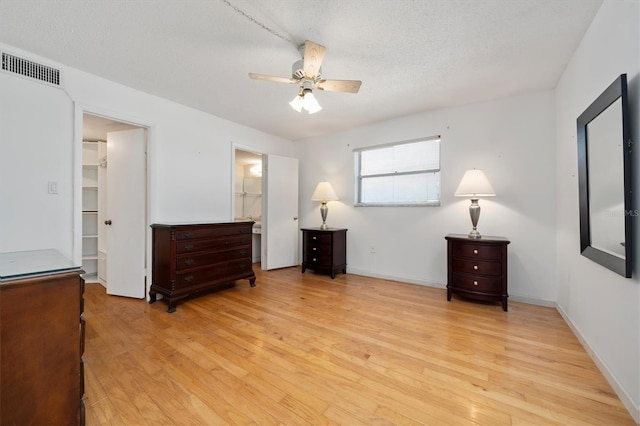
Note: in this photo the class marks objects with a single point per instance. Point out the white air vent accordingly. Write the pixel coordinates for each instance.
(30, 69)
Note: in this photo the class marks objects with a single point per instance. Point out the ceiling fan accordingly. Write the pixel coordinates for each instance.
(306, 72)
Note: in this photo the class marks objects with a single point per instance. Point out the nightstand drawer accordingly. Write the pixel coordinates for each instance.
(477, 267)
(475, 283)
(477, 251)
(318, 259)
(318, 238)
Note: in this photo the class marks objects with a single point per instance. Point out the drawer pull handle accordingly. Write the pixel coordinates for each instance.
(189, 261)
(475, 251)
(475, 267)
(314, 259)
(243, 252)
(243, 266)
(475, 283)
(188, 247)
(188, 234)
(314, 249)
(188, 278)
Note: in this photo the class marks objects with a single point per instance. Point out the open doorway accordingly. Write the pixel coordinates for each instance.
(248, 195)
(114, 200)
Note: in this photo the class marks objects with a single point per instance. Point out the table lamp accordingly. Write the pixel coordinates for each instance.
(324, 192)
(474, 184)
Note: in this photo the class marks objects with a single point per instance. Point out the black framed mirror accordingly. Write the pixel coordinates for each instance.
(604, 179)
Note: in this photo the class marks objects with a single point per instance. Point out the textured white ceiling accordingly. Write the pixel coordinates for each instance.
(412, 55)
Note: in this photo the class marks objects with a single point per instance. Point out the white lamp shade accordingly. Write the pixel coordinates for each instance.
(310, 103)
(296, 103)
(324, 192)
(474, 183)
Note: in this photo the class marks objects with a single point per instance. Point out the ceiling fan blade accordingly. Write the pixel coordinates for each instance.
(271, 78)
(313, 56)
(349, 86)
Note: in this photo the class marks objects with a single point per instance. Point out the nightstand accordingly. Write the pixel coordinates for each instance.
(324, 250)
(477, 268)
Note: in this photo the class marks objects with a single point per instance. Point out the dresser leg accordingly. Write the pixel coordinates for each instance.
(504, 304)
(152, 297)
(252, 282)
(448, 294)
(304, 268)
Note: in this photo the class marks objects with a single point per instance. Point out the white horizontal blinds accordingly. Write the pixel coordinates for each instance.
(408, 157)
(404, 173)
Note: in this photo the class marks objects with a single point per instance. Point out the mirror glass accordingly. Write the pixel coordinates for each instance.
(606, 194)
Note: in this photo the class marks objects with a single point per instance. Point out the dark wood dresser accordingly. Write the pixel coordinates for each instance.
(192, 258)
(477, 268)
(41, 339)
(324, 250)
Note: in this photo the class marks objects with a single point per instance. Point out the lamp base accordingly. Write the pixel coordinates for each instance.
(323, 212)
(474, 234)
(474, 212)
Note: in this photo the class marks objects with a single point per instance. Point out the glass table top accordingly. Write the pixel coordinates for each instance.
(24, 264)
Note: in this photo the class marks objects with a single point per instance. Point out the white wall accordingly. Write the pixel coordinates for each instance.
(602, 307)
(190, 166)
(512, 140)
(32, 153)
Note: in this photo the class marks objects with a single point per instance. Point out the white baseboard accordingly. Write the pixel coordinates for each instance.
(435, 284)
(427, 283)
(626, 400)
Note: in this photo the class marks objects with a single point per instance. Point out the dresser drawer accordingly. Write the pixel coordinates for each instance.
(477, 251)
(194, 234)
(222, 272)
(196, 260)
(221, 243)
(476, 283)
(477, 267)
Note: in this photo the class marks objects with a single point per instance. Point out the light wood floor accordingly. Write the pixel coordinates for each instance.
(304, 349)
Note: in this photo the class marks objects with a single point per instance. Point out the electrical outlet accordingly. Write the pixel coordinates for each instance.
(53, 187)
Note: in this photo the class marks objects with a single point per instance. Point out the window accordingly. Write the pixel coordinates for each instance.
(399, 174)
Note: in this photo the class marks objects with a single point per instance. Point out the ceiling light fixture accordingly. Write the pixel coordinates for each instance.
(305, 100)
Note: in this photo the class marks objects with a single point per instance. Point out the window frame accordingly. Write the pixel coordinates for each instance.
(358, 176)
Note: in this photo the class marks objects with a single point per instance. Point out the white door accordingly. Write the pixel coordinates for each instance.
(125, 212)
(280, 223)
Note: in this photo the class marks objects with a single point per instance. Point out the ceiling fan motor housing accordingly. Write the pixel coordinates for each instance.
(297, 71)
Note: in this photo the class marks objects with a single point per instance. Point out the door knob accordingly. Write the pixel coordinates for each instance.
(107, 222)
(295, 218)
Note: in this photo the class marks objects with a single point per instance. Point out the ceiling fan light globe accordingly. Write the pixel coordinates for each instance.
(310, 103)
(296, 103)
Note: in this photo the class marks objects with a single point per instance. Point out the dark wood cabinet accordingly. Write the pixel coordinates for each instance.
(324, 250)
(192, 258)
(477, 268)
(41, 340)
